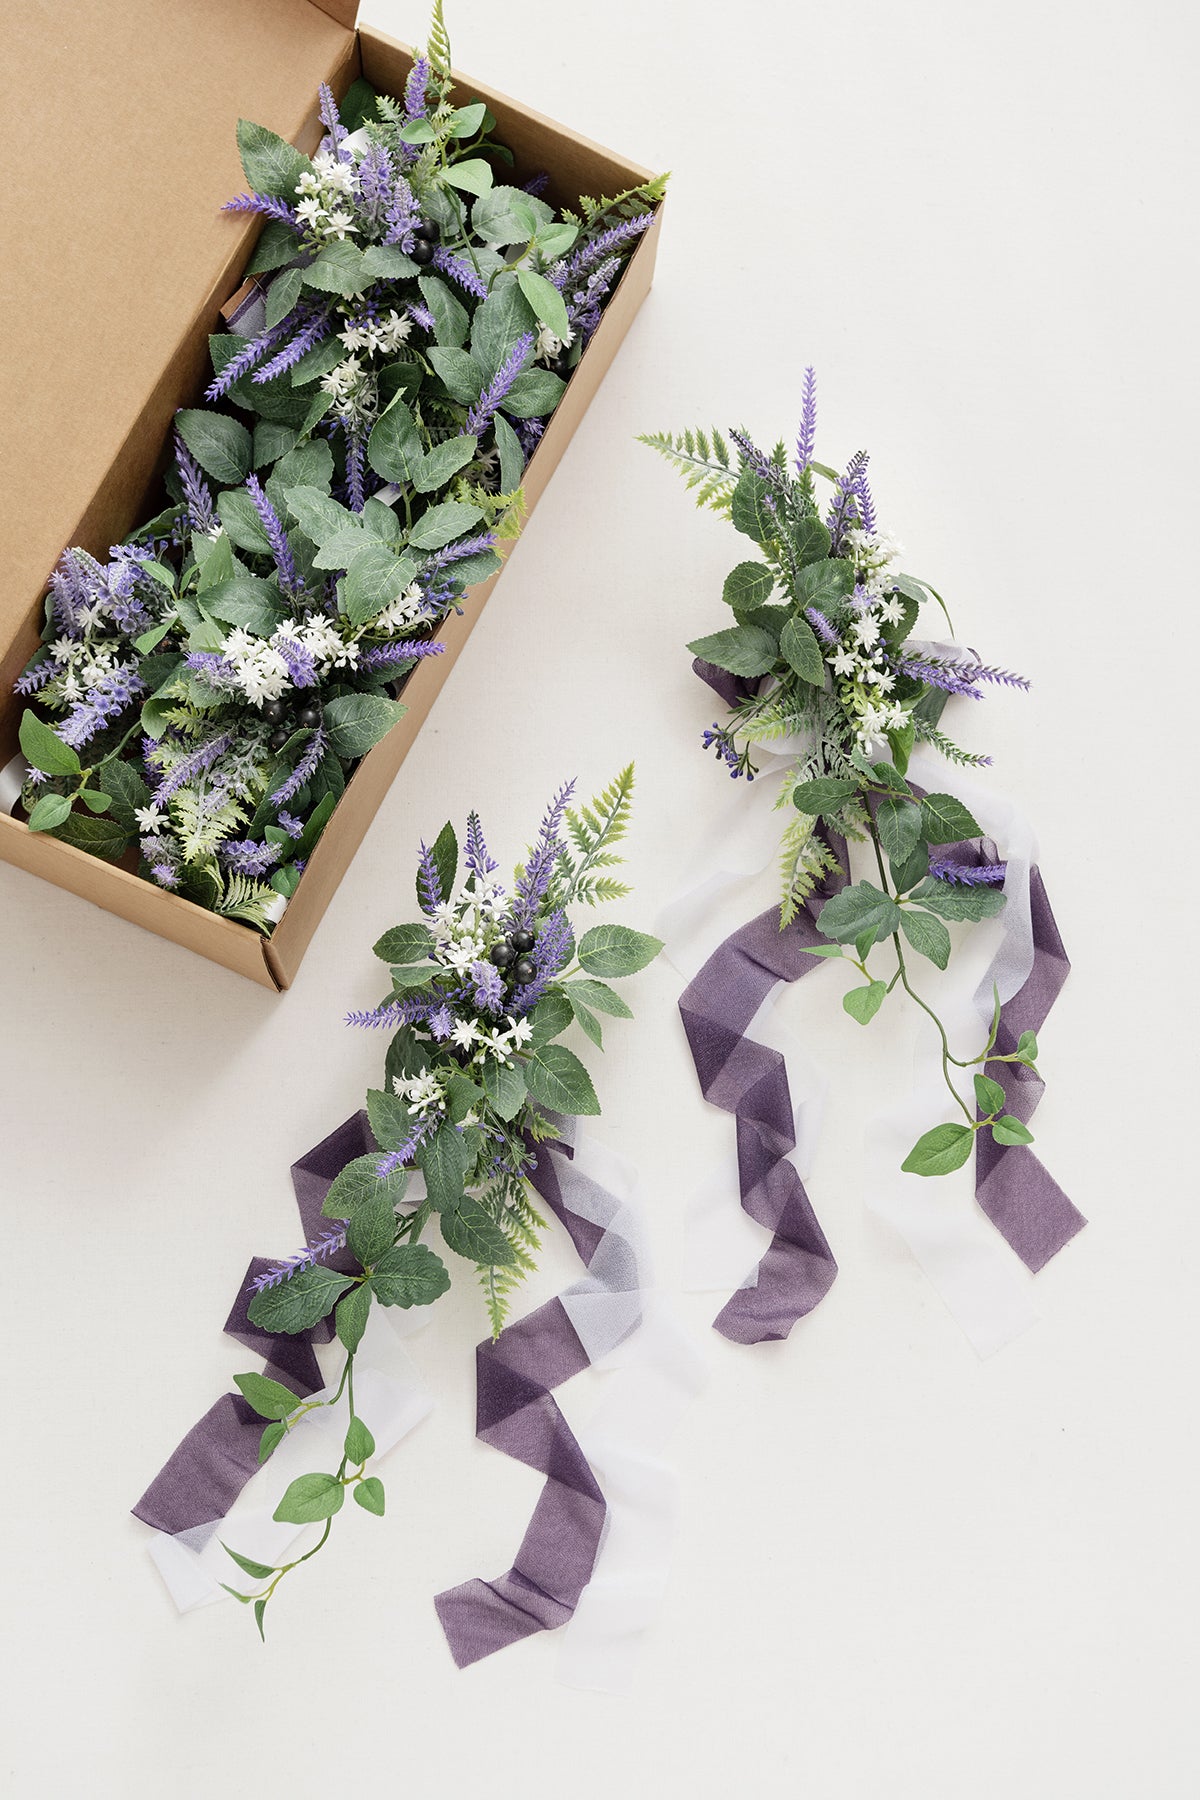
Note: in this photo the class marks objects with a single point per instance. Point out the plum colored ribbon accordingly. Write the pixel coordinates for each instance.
(204, 1475)
(518, 1415)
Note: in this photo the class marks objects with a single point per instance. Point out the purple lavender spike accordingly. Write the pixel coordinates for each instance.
(821, 625)
(356, 466)
(480, 863)
(314, 750)
(488, 991)
(968, 874)
(844, 510)
(386, 656)
(256, 348)
(421, 315)
(575, 268)
(188, 767)
(535, 877)
(326, 1245)
(34, 677)
(246, 857)
(806, 441)
(429, 882)
(416, 103)
(308, 335)
(550, 952)
(950, 678)
(331, 120)
(459, 271)
(391, 1013)
(452, 553)
(196, 492)
(270, 206)
(272, 524)
(101, 705)
(493, 394)
(301, 665)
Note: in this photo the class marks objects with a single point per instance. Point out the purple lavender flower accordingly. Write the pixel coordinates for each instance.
(951, 678)
(1001, 677)
(488, 992)
(292, 826)
(429, 882)
(332, 122)
(478, 861)
(252, 352)
(416, 103)
(806, 441)
(246, 857)
(488, 402)
(820, 625)
(719, 740)
(386, 656)
(188, 767)
(269, 205)
(101, 704)
(441, 1023)
(844, 511)
(584, 304)
(374, 178)
(968, 874)
(402, 217)
(311, 755)
(534, 878)
(393, 1012)
(164, 874)
(757, 460)
(272, 524)
(421, 315)
(356, 466)
(452, 553)
(550, 952)
(35, 676)
(459, 271)
(537, 184)
(396, 1159)
(211, 665)
(126, 582)
(529, 434)
(575, 268)
(197, 494)
(311, 333)
(328, 1244)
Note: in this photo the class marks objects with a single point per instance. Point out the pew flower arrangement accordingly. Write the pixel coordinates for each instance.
(821, 660)
(204, 693)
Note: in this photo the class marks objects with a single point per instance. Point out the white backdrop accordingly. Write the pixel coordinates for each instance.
(900, 1571)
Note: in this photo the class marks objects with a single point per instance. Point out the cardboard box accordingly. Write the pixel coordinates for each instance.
(116, 267)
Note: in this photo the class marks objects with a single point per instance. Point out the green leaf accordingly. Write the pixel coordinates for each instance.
(372, 1229)
(751, 584)
(913, 869)
(444, 1159)
(443, 462)
(587, 1021)
(550, 1018)
(615, 950)
(941, 1150)
(742, 649)
(43, 749)
(504, 1087)
(260, 1608)
(395, 448)
(356, 722)
(946, 819)
(409, 1275)
(512, 457)
(338, 269)
(499, 323)
(405, 944)
(368, 1493)
(473, 176)
(270, 1399)
(282, 295)
(1007, 1130)
(445, 859)
(442, 524)
(801, 651)
(359, 1183)
(49, 812)
(273, 1435)
(315, 362)
(549, 307)
(862, 1003)
(300, 1301)
(450, 317)
(533, 395)
(351, 1316)
(390, 1120)
(856, 910)
(899, 823)
(927, 935)
(318, 516)
(242, 524)
(387, 262)
(989, 1095)
(811, 543)
(260, 1571)
(219, 444)
(359, 1445)
(461, 375)
(825, 797)
(467, 120)
(749, 510)
(556, 1077)
(276, 245)
(309, 1498)
(1027, 1048)
(411, 976)
(469, 1232)
(247, 601)
(272, 166)
(950, 901)
(598, 997)
(373, 580)
(830, 951)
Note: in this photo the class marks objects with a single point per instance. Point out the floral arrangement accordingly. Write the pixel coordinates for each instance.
(205, 693)
(483, 986)
(821, 659)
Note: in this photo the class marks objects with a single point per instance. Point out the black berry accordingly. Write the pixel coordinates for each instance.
(521, 940)
(422, 251)
(428, 229)
(273, 712)
(502, 955)
(561, 364)
(309, 717)
(279, 738)
(524, 970)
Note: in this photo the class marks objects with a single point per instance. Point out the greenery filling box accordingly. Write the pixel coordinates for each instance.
(121, 265)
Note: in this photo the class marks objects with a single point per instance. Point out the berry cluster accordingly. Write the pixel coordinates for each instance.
(512, 954)
(428, 235)
(276, 713)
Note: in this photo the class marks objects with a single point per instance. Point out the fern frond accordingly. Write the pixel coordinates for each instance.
(600, 891)
(929, 734)
(437, 43)
(200, 827)
(593, 830)
(628, 205)
(246, 899)
(704, 462)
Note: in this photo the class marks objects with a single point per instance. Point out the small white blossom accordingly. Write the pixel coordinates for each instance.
(892, 609)
(149, 818)
(423, 1093)
(866, 630)
(407, 609)
(843, 660)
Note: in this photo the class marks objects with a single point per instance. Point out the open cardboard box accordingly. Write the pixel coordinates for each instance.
(116, 268)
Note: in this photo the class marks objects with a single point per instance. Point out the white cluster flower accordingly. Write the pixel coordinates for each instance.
(500, 1043)
(323, 190)
(548, 345)
(325, 643)
(256, 665)
(378, 336)
(462, 924)
(353, 389)
(423, 1092)
(874, 554)
(405, 611)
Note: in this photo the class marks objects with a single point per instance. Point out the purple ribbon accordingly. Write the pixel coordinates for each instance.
(1017, 1193)
(517, 1414)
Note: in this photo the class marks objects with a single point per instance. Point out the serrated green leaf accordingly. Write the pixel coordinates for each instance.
(899, 823)
(550, 1018)
(359, 1183)
(858, 909)
(271, 164)
(556, 1077)
(749, 585)
(549, 307)
(405, 944)
(598, 998)
(220, 444)
(355, 723)
(374, 578)
(946, 820)
(470, 1232)
(952, 902)
(801, 651)
(745, 650)
(350, 1320)
(300, 1301)
(372, 1229)
(613, 951)
(927, 935)
(444, 1159)
(442, 524)
(338, 269)
(409, 1275)
(825, 797)
(504, 1087)
(749, 509)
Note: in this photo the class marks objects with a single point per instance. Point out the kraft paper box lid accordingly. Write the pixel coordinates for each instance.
(121, 114)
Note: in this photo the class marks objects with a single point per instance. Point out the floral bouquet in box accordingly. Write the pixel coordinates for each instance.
(477, 1092)
(823, 672)
(411, 324)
